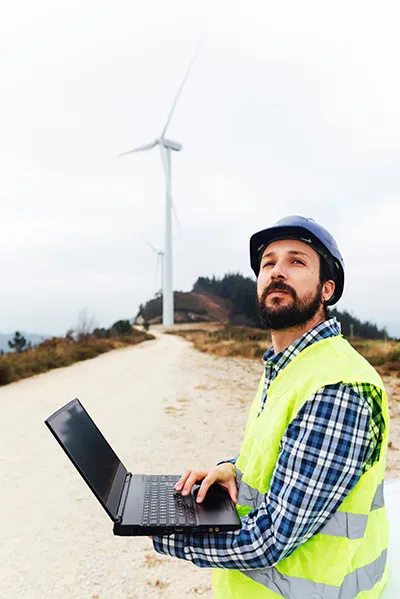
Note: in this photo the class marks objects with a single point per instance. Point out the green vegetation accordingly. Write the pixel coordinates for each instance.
(63, 351)
(240, 291)
(351, 326)
(121, 328)
(18, 343)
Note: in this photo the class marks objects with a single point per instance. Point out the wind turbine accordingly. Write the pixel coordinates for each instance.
(160, 255)
(160, 259)
(166, 146)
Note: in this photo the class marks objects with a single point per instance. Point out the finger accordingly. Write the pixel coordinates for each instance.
(192, 479)
(182, 481)
(205, 485)
(233, 492)
(179, 484)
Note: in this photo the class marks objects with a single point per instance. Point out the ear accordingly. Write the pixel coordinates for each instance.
(328, 289)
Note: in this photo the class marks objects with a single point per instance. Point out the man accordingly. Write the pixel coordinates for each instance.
(308, 481)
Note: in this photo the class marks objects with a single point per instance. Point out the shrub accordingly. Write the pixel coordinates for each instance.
(6, 374)
(121, 328)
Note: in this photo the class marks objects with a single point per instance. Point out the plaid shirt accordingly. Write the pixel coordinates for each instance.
(334, 438)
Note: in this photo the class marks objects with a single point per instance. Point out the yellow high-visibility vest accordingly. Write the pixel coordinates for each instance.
(347, 558)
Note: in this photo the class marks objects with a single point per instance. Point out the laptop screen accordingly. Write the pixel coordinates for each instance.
(90, 453)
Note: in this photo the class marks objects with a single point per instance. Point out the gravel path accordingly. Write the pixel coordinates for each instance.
(160, 405)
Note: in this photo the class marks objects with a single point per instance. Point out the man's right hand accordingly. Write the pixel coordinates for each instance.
(223, 474)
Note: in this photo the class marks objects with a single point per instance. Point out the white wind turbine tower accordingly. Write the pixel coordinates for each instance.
(166, 146)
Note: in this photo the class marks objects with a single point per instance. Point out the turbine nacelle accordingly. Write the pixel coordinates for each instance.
(168, 143)
(161, 141)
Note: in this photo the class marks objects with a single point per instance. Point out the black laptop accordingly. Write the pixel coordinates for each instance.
(139, 504)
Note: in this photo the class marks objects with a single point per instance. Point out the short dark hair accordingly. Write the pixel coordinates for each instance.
(325, 274)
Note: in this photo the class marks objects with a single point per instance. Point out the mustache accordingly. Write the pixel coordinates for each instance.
(279, 286)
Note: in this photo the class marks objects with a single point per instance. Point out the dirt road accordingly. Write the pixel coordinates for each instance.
(159, 404)
(164, 407)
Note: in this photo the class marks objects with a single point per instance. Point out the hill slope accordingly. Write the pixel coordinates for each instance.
(188, 307)
(232, 299)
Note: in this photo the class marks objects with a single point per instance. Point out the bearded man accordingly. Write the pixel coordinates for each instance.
(308, 481)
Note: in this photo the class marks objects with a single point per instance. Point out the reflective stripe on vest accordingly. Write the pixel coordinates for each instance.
(341, 524)
(290, 587)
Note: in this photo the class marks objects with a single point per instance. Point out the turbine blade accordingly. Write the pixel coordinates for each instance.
(176, 216)
(158, 268)
(179, 92)
(179, 233)
(150, 245)
(139, 149)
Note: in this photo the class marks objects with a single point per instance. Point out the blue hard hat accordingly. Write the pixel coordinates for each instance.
(308, 231)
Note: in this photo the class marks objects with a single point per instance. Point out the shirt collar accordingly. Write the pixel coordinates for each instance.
(327, 328)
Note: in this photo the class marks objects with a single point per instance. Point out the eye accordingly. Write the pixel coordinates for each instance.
(297, 260)
(269, 263)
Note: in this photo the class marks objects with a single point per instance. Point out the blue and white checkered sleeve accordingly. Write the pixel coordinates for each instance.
(320, 460)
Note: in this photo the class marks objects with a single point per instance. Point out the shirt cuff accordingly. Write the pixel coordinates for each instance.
(173, 545)
(231, 461)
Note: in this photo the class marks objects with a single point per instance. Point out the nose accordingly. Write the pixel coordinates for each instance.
(278, 272)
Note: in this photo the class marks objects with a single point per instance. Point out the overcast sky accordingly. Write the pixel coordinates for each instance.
(291, 108)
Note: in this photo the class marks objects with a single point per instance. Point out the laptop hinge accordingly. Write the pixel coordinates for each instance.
(124, 495)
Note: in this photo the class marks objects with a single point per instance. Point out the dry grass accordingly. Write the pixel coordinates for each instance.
(228, 341)
(385, 354)
(59, 352)
(246, 342)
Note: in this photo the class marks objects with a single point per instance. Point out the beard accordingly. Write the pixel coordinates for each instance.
(278, 318)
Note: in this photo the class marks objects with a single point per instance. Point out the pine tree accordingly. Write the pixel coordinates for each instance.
(18, 343)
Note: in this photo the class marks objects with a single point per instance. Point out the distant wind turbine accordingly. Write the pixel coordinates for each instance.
(160, 259)
(166, 145)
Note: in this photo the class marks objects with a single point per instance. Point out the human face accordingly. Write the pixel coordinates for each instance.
(289, 290)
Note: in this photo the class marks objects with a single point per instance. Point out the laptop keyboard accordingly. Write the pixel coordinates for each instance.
(163, 506)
